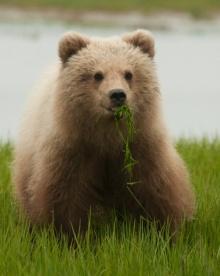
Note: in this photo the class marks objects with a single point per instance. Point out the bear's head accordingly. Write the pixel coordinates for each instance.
(98, 75)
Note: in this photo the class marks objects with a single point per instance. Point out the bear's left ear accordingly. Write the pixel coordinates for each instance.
(70, 44)
(142, 39)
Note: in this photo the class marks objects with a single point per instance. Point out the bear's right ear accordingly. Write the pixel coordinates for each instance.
(70, 44)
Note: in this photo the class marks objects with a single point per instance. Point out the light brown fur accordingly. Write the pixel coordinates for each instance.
(69, 155)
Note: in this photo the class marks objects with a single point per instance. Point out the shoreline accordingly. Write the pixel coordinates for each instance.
(164, 20)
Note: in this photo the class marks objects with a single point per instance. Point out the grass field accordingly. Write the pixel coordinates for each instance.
(195, 7)
(118, 249)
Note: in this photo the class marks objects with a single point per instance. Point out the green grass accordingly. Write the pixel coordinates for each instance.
(195, 7)
(117, 248)
(125, 113)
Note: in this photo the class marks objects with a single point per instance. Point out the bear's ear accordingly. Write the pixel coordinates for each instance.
(142, 39)
(70, 44)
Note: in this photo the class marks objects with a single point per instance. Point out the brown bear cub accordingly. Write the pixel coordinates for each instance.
(69, 155)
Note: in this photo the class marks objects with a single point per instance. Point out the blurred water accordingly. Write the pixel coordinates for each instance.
(188, 66)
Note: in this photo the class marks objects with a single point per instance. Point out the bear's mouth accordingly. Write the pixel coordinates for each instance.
(115, 112)
(112, 109)
(109, 109)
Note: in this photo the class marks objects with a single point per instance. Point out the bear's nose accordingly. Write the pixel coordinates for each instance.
(117, 96)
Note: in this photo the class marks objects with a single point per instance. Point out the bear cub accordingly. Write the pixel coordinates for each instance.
(69, 154)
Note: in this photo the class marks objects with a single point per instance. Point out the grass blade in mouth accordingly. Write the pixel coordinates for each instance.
(129, 161)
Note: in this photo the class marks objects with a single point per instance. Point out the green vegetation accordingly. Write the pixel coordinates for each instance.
(118, 248)
(125, 112)
(195, 7)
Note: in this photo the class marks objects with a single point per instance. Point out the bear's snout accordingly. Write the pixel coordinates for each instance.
(117, 96)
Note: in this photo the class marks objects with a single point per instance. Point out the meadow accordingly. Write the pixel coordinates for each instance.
(117, 248)
(194, 7)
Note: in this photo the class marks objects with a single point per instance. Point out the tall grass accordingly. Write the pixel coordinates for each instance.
(120, 248)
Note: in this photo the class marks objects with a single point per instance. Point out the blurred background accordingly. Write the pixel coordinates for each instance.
(187, 35)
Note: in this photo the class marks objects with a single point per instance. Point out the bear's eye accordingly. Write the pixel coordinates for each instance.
(98, 76)
(128, 75)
